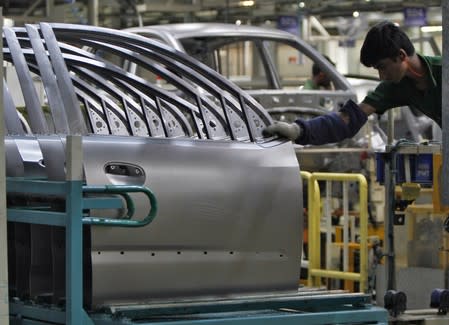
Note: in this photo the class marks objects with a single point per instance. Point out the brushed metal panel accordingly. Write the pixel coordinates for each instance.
(36, 115)
(11, 115)
(31, 156)
(14, 163)
(71, 106)
(53, 152)
(49, 82)
(230, 219)
(230, 216)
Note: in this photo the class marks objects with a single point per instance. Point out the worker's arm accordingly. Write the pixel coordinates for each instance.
(367, 109)
(329, 128)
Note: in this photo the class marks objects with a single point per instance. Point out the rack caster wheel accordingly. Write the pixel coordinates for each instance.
(446, 224)
(395, 302)
(440, 299)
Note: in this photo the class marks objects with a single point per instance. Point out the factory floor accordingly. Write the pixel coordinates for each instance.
(420, 317)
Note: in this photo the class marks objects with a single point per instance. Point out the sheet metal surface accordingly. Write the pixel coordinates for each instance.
(230, 201)
(228, 219)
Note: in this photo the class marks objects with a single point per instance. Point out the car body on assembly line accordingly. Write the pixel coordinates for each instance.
(272, 66)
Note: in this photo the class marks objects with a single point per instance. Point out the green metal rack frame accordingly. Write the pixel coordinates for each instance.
(72, 190)
(308, 307)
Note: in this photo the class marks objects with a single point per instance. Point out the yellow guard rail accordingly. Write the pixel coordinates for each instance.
(315, 273)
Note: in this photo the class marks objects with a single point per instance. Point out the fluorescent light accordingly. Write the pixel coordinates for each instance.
(430, 29)
(247, 3)
(206, 13)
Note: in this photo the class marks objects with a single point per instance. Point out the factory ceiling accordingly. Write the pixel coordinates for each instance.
(127, 13)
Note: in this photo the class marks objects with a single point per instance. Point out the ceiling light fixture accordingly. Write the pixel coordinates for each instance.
(247, 3)
(430, 29)
(206, 13)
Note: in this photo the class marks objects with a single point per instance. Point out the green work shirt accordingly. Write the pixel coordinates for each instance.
(309, 85)
(404, 93)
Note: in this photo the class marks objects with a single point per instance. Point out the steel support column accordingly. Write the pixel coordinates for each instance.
(92, 12)
(445, 104)
(4, 313)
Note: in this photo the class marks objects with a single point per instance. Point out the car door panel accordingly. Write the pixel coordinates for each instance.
(228, 219)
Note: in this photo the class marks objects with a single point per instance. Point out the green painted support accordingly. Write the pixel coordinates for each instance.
(71, 219)
(72, 190)
(306, 302)
(123, 191)
(74, 259)
(350, 315)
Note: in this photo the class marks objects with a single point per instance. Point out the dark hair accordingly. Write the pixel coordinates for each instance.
(315, 67)
(384, 40)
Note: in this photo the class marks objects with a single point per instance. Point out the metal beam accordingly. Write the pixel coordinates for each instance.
(168, 6)
(445, 104)
(92, 12)
(49, 8)
(4, 306)
(31, 8)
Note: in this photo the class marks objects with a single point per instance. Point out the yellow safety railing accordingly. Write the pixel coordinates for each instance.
(315, 272)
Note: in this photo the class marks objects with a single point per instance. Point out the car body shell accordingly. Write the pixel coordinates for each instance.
(283, 103)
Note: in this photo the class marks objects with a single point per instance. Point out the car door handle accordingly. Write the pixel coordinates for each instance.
(120, 173)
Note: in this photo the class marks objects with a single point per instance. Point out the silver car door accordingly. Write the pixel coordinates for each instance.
(228, 219)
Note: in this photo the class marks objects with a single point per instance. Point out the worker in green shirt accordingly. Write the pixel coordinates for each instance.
(408, 79)
(319, 80)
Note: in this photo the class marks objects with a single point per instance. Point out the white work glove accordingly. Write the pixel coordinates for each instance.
(290, 131)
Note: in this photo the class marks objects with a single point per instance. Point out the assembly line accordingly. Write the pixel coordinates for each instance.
(184, 173)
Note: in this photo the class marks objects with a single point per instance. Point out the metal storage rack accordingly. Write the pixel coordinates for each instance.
(311, 307)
